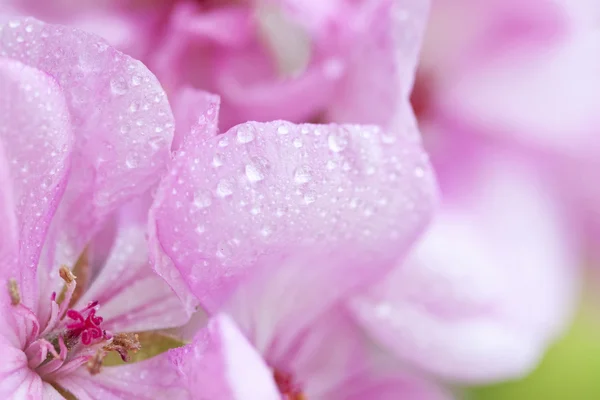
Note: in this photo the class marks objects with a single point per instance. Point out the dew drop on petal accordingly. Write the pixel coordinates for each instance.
(224, 188)
(202, 199)
(303, 175)
(244, 135)
(283, 130)
(337, 143)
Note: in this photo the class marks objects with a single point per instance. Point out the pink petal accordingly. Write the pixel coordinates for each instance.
(9, 242)
(121, 120)
(37, 142)
(277, 189)
(131, 296)
(382, 62)
(17, 381)
(123, 23)
(221, 364)
(493, 282)
(240, 67)
(195, 111)
(398, 387)
(511, 73)
(151, 379)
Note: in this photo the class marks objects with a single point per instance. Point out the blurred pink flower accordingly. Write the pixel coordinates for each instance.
(85, 129)
(495, 279)
(267, 59)
(525, 78)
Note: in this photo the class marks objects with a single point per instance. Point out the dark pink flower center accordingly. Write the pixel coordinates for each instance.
(69, 338)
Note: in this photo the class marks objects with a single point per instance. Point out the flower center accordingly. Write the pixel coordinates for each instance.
(289, 389)
(70, 338)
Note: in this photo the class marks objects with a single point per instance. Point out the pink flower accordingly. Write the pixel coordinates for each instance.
(490, 285)
(85, 130)
(495, 279)
(275, 224)
(294, 60)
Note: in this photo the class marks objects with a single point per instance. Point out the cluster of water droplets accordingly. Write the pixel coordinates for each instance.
(117, 107)
(272, 185)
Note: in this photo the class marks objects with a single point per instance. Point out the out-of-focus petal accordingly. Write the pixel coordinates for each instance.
(221, 364)
(278, 189)
(121, 120)
(489, 286)
(128, 25)
(37, 140)
(131, 296)
(506, 68)
(150, 379)
(383, 61)
(241, 67)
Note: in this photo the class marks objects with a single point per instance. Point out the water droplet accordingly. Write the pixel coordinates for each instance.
(337, 143)
(224, 250)
(303, 175)
(244, 135)
(256, 169)
(200, 229)
(131, 161)
(224, 142)
(283, 130)
(118, 86)
(419, 172)
(136, 80)
(202, 199)
(310, 197)
(266, 231)
(224, 188)
(217, 160)
(297, 143)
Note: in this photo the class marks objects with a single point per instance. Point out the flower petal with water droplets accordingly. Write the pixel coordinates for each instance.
(270, 197)
(122, 123)
(35, 132)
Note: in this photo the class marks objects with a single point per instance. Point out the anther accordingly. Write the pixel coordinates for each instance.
(13, 290)
(123, 343)
(66, 274)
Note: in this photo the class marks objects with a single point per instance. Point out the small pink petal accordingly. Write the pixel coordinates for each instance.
(196, 112)
(221, 364)
(491, 284)
(150, 379)
(131, 296)
(382, 62)
(121, 119)
(278, 189)
(37, 137)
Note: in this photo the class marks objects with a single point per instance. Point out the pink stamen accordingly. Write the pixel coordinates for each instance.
(57, 362)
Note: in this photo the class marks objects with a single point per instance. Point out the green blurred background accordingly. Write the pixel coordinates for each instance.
(570, 369)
